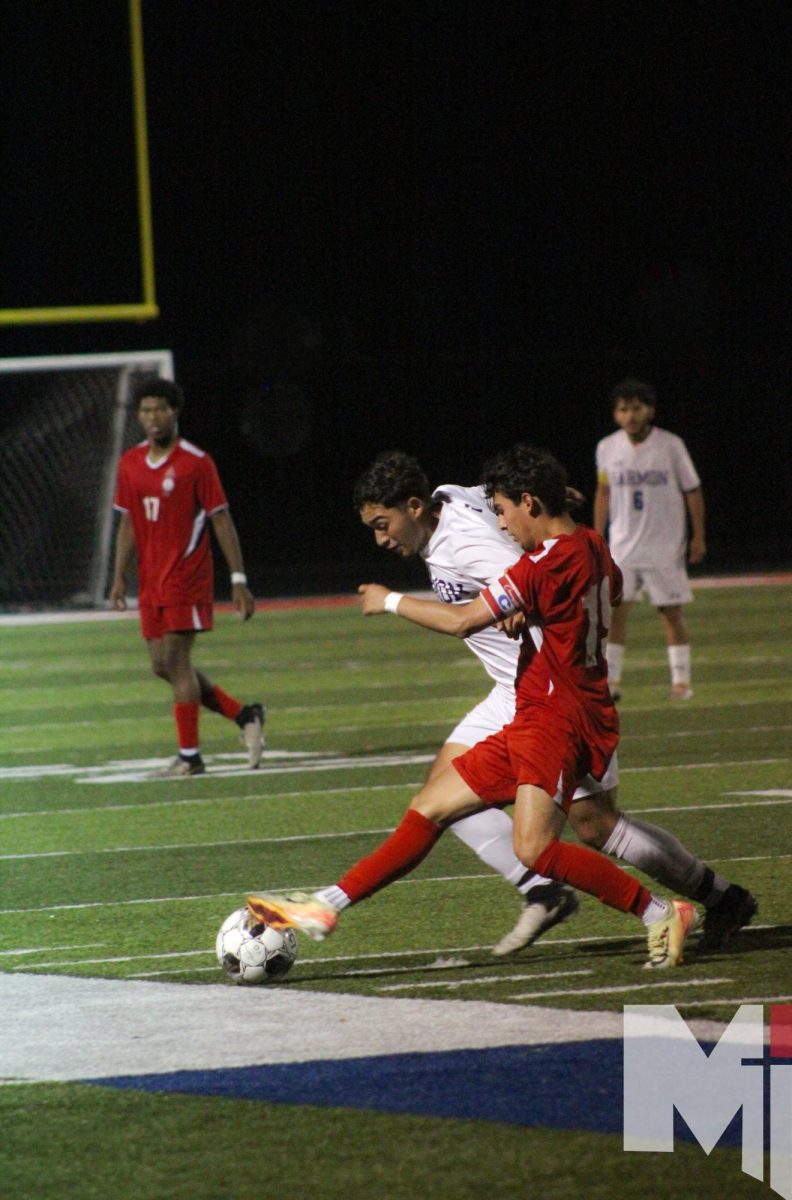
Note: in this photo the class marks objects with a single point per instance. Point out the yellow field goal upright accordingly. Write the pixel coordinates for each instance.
(146, 307)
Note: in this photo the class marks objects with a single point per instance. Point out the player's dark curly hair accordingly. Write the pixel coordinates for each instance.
(390, 480)
(631, 389)
(527, 469)
(162, 389)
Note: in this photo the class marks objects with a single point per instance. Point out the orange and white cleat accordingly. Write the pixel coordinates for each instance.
(667, 936)
(298, 910)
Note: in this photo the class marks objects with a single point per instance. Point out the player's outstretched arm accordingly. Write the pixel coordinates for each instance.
(458, 620)
(228, 541)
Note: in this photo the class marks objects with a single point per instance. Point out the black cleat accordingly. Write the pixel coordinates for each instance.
(735, 909)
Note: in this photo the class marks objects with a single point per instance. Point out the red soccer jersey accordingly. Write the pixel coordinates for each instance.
(168, 504)
(566, 587)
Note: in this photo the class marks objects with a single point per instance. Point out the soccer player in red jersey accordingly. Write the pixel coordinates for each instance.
(565, 726)
(168, 492)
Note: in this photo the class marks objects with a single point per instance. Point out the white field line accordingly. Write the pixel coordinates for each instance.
(478, 981)
(175, 971)
(784, 799)
(703, 733)
(306, 887)
(426, 723)
(551, 941)
(437, 966)
(51, 949)
(443, 963)
(306, 710)
(612, 991)
(444, 985)
(121, 958)
(327, 958)
(137, 770)
(267, 796)
(703, 766)
(204, 800)
(300, 710)
(734, 1000)
(698, 704)
(246, 841)
(370, 762)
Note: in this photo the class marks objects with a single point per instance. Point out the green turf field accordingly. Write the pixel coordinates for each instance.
(106, 874)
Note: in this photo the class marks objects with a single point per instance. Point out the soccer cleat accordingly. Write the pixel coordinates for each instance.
(251, 720)
(681, 691)
(667, 936)
(735, 909)
(615, 692)
(180, 768)
(298, 911)
(545, 906)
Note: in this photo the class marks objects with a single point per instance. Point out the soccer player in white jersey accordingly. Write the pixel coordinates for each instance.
(647, 487)
(456, 533)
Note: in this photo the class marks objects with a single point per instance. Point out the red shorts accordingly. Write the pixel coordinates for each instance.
(157, 620)
(545, 750)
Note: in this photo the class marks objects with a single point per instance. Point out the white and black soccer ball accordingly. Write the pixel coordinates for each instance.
(254, 953)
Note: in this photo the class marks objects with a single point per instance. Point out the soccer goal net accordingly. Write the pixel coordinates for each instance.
(64, 421)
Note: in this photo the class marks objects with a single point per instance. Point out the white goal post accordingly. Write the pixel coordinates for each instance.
(64, 421)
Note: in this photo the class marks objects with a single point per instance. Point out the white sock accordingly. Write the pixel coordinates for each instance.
(657, 853)
(679, 662)
(655, 910)
(614, 653)
(334, 896)
(491, 834)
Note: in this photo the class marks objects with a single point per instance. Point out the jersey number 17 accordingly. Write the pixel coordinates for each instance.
(596, 603)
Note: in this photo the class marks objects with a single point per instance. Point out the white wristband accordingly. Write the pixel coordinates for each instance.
(391, 601)
(238, 577)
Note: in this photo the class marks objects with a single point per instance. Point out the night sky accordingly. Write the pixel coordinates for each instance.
(440, 226)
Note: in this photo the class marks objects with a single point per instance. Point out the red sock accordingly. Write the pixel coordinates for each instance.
(591, 872)
(219, 701)
(186, 717)
(408, 845)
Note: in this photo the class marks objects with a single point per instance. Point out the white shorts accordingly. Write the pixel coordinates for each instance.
(664, 586)
(497, 710)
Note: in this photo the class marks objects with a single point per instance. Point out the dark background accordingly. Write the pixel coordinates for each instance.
(438, 226)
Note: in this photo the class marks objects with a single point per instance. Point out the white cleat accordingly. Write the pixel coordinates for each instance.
(251, 732)
(179, 768)
(545, 906)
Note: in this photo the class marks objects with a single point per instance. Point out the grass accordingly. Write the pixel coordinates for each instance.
(104, 873)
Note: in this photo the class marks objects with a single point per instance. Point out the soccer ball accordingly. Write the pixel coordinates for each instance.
(254, 953)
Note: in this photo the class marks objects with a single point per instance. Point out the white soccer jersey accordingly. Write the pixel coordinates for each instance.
(464, 555)
(647, 520)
